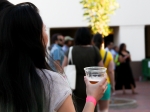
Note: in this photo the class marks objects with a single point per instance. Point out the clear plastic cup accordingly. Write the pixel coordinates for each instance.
(95, 74)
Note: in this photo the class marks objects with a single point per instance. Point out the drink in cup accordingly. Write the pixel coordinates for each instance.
(95, 74)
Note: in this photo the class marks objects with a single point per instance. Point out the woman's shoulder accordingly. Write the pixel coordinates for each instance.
(57, 86)
(51, 75)
(128, 52)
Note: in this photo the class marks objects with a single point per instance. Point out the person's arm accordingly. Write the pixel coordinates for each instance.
(101, 63)
(56, 56)
(111, 74)
(122, 59)
(67, 106)
(58, 66)
(94, 90)
(129, 55)
(65, 62)
(89, 106)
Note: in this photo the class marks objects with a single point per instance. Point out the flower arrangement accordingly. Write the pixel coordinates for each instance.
(97, 13)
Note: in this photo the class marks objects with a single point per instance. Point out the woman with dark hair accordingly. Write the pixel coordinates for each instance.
(109, 64)
(27, 83)
(83, 55)
(124, 79)
(4, 4)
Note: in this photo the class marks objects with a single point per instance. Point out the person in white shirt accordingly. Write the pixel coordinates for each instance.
(110, 48)
(68, 43)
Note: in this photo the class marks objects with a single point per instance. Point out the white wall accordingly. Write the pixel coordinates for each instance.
(132, 12)
(59, 13)
(68, 13)
(130, 17)
(134, 38)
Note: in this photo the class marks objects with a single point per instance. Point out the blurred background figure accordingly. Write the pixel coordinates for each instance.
(67, 44)
(54, 38)
(116, 60)
(124, 79)
(109, 47)
(108, 63)
(56, 51)
(83, 55)
(116, 50)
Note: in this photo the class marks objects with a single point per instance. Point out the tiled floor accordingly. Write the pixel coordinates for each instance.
(142, 98)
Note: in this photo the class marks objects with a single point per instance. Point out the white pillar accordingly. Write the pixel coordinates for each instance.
(134, 38)
(48, 44)
(48, 34)
(116, 36)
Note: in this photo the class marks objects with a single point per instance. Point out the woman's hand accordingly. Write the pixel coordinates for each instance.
(96, 90)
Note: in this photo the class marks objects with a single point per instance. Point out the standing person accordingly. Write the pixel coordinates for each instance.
(124, 79)
(27, 83)
(110, 48)
(54, 37)
(68, 43)
(116, 50)
(108, 63)
(56, 52)
(116, 61)
(83, 55)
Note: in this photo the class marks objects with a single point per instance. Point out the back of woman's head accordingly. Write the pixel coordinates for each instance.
(83, 36)
(22, 50)
(121, 48)
(21, 32)
(4, 4)
(98, 40)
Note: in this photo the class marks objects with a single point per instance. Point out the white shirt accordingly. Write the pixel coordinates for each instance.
(113, 52)
(56, 88)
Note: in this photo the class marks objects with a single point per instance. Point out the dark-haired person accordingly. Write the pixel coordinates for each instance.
(54, 38)
(56, 51)
(4, 4)
(109, 48)
(83, 55)
(124, 79)
(108, 63)
(27, 83)
(116, 60)
(68, 43)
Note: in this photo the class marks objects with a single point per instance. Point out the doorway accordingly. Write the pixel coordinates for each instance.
(147, 41)
(64, 31)
(70, 31)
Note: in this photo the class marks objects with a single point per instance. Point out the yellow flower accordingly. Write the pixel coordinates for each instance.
(97, 13)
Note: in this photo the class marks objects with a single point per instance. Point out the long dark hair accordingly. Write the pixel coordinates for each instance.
(4, 4)
(98, 40)
(83, 36)
(22, 50)
(121, 47)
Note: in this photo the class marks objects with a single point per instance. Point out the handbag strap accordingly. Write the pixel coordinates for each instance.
(104, 60)
(70, 55)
